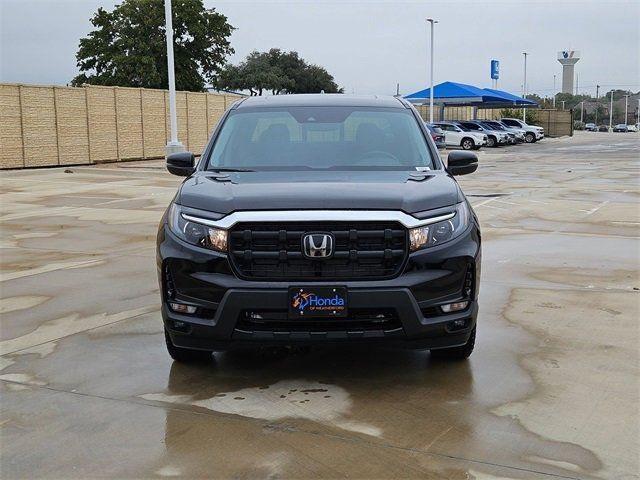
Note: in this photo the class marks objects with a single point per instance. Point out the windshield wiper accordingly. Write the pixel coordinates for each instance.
(229, 169)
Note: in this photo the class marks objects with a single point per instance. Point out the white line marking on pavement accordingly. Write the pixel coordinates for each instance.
(595, 209)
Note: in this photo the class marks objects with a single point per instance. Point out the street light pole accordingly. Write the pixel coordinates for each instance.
(173, 145)
(611, 112)
(524, 87)
(563, 104)
(597, 92)
(554, 92)
(582, 111)
(432, 22)
(626, 108)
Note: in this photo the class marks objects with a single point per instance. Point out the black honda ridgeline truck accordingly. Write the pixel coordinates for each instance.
(319, 219)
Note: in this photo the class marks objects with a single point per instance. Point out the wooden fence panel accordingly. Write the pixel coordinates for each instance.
(197, 111)
(129, 116)
(71, 113)
(153, 125)
(103, 130)
(11, 130)
(39, 132)
(49, 125)
(215, 110)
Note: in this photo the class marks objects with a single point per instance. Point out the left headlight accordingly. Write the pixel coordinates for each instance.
(196, 233)
(441, 232)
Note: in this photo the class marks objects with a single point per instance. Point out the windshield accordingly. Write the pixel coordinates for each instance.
(494, 126)
(337, 138)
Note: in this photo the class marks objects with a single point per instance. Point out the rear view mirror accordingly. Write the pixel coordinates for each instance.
(462, 163)
(181, 164)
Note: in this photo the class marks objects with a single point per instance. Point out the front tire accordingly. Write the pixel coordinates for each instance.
(491, 141)
(529, 137)
(456, 353)
(467, 144)
(185, 355)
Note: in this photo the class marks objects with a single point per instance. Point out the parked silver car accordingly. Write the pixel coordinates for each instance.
(495, 138)
(519, 133)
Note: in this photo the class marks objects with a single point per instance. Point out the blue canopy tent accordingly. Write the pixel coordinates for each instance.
(452, 93)
(513, 99)
(460, 94)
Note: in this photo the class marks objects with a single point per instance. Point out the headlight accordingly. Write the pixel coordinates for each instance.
(441, 232)
(196, 233)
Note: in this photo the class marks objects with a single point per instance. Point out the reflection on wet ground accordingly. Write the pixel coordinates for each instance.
(87, 389)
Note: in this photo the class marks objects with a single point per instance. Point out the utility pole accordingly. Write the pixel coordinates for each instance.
(638, 113)
(563, 104)
(524, 87)
(597, 92)
(626, 108)
(611, 112)
(173, 145)
(554, 92)
(432, 22)
(582, 111)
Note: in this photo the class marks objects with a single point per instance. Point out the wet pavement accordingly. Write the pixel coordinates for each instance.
(88, 390)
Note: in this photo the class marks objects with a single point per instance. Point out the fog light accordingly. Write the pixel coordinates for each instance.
(179, 326)
(454, 307)
(460, 324)
(182, 308)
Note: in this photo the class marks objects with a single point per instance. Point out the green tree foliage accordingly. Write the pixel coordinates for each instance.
(277, 72)
(530, 114)
(128, 45)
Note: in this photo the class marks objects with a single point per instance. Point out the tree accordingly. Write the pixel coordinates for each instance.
(531, 114)
(278, 72)
(128, 45)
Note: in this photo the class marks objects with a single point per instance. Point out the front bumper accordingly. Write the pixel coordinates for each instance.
(430, 278)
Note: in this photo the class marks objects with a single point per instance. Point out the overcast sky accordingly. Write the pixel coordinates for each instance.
(368, 46)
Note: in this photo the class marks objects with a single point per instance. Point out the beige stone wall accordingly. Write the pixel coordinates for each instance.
(55, 125)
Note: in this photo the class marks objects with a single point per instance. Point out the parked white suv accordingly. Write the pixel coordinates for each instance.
(457, 136)
(533, 132)
(495, 138)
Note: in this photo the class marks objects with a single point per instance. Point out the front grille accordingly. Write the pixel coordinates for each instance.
(273, 251)
(360, 319)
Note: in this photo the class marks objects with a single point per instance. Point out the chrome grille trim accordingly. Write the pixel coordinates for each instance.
(230, 220)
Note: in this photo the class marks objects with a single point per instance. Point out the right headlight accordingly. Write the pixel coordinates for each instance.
(196, 233)
(441, 232)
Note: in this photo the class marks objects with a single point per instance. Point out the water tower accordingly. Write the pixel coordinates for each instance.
(568, 59)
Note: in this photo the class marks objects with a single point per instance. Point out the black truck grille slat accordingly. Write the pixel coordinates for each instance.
(273, 251)
(358, 320)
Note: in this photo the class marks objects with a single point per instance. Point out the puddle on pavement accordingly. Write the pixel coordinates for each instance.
(286, 399)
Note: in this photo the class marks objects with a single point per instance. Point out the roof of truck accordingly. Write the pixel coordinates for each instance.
(321, 100)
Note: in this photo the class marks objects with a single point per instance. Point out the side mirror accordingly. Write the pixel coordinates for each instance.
(462, 163)
(181, 164)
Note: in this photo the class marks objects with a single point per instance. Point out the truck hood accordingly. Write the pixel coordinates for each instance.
(379, 190)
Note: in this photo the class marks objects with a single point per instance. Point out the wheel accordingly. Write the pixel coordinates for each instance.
(185, 355)
(491, 141)
(456, 353)
(529, 137)
(467, 144)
